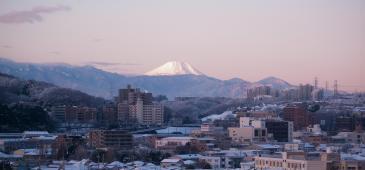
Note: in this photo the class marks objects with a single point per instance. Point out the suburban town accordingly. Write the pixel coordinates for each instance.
(269, 130)
(182, 84)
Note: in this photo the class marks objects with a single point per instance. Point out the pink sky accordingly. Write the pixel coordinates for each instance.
(293, 40)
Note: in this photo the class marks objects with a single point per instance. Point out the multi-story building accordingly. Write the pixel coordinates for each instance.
(297, 114)
(63, 142)
(298, 161)
(29, 139)
(109, 114)
(241, 134)
(318, 94)
(305, 92)
(146, 114)
(136, 106)
(210, 130)
(258, 91)
(58, 112)
(80, 114)
(352, 164)
(345, 123)
(250, 130)
(281, 131)
(224, 159)
(349, 137)
(119, 139)
(173, 141)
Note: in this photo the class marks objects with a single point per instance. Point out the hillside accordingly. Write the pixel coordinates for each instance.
(14, 90)
(196, 108)
(21, 117)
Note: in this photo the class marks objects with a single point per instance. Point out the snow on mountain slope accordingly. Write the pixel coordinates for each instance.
(174, 68)
(275, 83)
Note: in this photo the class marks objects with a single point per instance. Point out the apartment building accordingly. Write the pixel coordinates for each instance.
(119, 139)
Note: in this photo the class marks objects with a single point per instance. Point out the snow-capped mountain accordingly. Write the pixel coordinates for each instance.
(184, 80)
(174, 68)
(274, 82)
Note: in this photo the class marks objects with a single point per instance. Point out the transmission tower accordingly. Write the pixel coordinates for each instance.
(315, 82)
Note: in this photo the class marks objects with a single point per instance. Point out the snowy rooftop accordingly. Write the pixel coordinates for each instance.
(179, 138)
(35, 133)
(352, 157)
(269, 146)
(189, 156)
(170, 160)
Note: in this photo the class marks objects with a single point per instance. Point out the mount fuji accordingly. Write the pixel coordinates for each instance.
(173, 79)
(174, 68)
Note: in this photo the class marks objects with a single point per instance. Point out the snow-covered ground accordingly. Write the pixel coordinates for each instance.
(224, 115)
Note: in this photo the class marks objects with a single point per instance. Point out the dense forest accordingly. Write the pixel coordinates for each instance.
(20, 117)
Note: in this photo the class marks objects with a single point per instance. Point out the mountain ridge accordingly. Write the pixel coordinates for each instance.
(15, 90)
(105, 84)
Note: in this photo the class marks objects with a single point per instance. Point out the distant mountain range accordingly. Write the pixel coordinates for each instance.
(172, 79)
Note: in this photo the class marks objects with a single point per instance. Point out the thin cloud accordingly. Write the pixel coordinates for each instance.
(6, 46)
(112, 64)
(30, 16)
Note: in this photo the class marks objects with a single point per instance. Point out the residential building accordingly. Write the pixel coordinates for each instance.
(296, 161)
(78, 114)
(119, 139)
(241, 134)
(173, 141)
(280, 131)
(345, 123)
(224, 159)
(250, 130)
(135, 106)
(305, 92)
(297, 114)
(352, 164)
(109, 114)
(258, 91)
(59, 112)
(171, 162)
(349, 137)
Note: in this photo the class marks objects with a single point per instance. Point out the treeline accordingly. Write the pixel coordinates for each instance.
(21, 117)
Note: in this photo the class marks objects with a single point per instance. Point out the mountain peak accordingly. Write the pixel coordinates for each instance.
(174, 68)
(274, 82)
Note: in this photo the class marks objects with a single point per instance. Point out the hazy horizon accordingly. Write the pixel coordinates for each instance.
(292, 40)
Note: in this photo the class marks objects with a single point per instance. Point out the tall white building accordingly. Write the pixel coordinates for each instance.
(135, 106)
(146, 114)
(250, 130)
